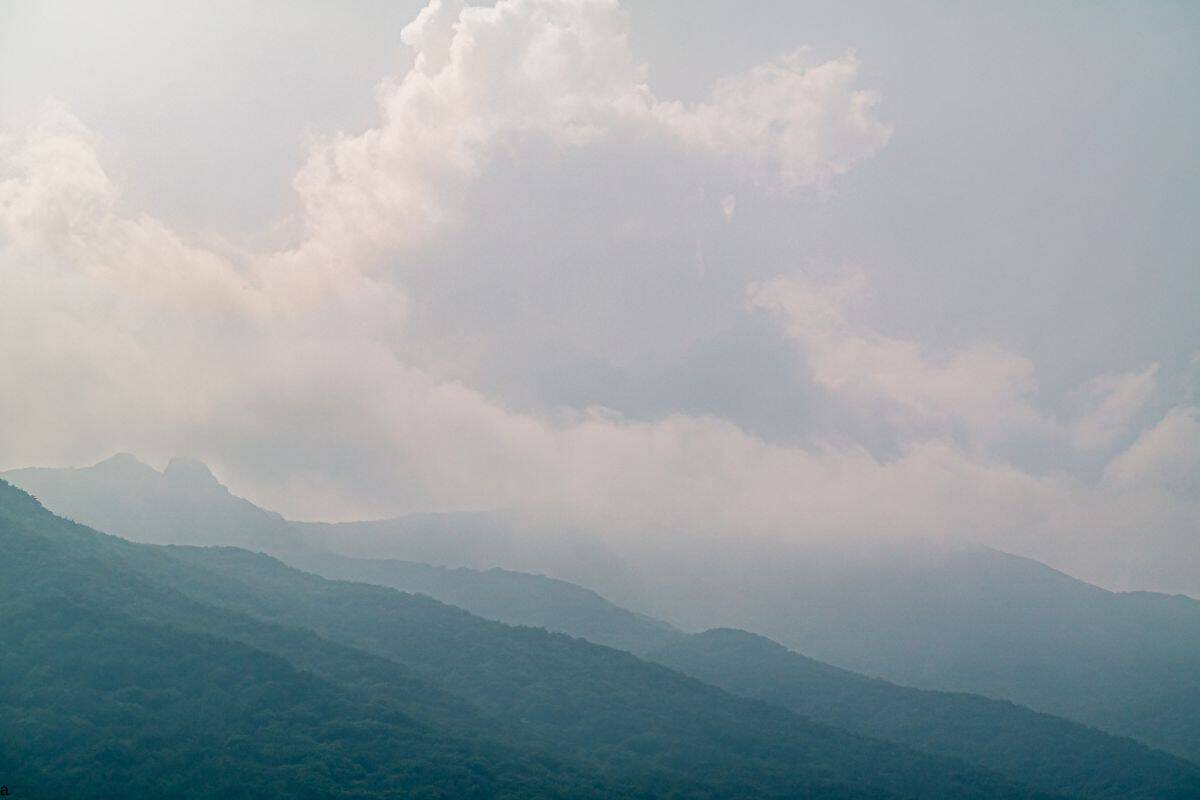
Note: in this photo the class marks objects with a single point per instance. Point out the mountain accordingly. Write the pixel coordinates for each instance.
(116, 685)
(965, 619)
(1051, 754)
(1047, 752)
(951, 618)
(184, 503)
(515, 598)
(971, 620)
(520, 541)
(142, 671)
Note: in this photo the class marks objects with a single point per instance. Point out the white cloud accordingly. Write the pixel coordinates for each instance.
(178, 344)
(561, 70)
(1167, 456)
(786, 122)
(58, 203)
(1114, 400)
(981, 391)
(292, 370)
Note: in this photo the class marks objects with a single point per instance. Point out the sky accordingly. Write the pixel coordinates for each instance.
(787, 269)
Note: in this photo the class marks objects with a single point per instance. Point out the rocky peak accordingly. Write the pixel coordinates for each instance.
(189, 471)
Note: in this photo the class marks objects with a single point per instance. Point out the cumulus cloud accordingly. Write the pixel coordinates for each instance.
(293, 370)
(176, 343)
(1166, 457)
(58, 205)
(787, 122)
(563, 71)
(980, 391)
(1114, 400)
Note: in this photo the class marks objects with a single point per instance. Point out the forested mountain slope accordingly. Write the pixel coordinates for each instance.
(976, 620)
(969, 620)
(1049, 752)
(515, 598)
(135, 660)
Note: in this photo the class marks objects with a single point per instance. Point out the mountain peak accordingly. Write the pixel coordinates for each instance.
(189, 470)
(125, 463)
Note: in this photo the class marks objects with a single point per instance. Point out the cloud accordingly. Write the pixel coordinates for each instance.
(1166, 456)
(58, 203)
(786, 122)
(296, 373)
(121, 333)
(981, 392)
(562, 71)
(1114, 400)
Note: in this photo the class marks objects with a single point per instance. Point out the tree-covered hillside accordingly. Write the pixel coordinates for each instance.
(972, 620)
(981, 621)
(135, 661)
(1045, 751)
(516, 598)
(1049, 752)
(116, 686)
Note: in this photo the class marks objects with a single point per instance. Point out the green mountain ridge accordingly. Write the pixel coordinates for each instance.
(970, 728)
(123, 686)
(1049, 752)
(1004, 627)
(515, 598)
(107, 626)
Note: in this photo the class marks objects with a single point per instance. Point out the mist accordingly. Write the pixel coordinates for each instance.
(517, 273)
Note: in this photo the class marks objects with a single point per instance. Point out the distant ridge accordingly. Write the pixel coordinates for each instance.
(1048, 752)
(975, 621)
(515, 598)
(141, 671)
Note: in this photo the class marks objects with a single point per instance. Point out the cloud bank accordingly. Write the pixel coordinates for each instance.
(563, 72)
(980, 393)
(297, 372)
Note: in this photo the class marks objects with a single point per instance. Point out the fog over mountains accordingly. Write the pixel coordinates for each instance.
(972, 620)
(846, 278)
(91, 609)
(509, 399)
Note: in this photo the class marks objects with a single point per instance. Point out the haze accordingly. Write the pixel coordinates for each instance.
(672, 274)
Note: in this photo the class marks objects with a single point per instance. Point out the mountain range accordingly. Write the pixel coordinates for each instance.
(1015, 628)
(145, 671)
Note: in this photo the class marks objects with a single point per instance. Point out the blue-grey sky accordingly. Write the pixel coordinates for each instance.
(786, 268)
